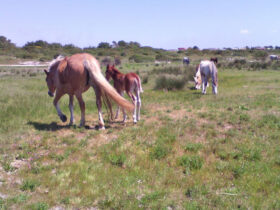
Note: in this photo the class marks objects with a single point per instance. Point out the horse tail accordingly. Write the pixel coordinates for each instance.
(107, 90)
(139, 84)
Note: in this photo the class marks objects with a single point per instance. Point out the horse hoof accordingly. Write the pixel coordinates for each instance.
(101, 128)
(63, 118)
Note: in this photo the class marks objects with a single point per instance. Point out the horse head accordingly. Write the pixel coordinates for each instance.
(215, 60)
(50, 82)
(51, 74)
(108, 72)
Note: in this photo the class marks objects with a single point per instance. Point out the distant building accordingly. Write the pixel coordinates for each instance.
(182, 49)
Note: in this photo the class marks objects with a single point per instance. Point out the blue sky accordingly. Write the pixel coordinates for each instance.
(167, 24)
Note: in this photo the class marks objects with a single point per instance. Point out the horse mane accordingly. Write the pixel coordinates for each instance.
(54, 61)
(116, 70)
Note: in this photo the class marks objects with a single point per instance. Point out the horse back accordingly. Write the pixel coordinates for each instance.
(73, 76)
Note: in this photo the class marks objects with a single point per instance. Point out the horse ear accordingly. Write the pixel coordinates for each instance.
(47, 73)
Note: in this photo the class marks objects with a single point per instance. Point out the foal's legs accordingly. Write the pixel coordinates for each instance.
(138, 104)
(118, 108)
(71, 107)
(133, 100)
(82, 107)
(56, 104)
(99, 107)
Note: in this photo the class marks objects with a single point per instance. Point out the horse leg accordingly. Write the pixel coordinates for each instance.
(99, 107)
(138, 104)
(82, 107)
(71, 107)
(204, 84)
(214, 84)
(133, 100)
(56, 104)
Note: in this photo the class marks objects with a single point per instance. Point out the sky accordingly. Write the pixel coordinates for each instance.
(167, 24)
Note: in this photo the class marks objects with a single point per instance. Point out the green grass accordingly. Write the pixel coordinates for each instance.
(189, 151)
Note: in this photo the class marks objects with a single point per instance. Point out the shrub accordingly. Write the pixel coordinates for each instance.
(145, 79)
(170, 82)
(141, 58)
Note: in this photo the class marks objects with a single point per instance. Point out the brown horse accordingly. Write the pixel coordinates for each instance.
(74, 75)
(130, 83)
(214, 59)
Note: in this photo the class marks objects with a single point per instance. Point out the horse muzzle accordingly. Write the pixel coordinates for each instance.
(50, 93)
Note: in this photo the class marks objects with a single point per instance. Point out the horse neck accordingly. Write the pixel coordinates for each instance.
(116, 74)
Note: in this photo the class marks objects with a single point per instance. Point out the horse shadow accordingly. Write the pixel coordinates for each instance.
(53, 126)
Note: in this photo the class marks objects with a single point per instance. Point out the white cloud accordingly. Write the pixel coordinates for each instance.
(244, 31)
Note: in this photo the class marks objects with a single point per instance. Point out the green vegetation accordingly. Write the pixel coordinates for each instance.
(189, 151)
(133, 53)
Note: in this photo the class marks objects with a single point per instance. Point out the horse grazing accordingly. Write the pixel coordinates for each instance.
(186, 60)
(131, 83)
(205, 70)
(215, 60)
(274, 57)
(74, 75)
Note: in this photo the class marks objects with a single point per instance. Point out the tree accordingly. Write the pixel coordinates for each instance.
(105, 45)
(195, 47)
(260, 54)
(134, 44)
(6, 43)
(122, 43)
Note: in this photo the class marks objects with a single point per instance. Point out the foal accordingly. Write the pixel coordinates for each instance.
(131, 83)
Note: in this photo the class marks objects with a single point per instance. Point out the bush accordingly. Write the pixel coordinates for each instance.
(141, 58)
(145, 79)
(170, 82)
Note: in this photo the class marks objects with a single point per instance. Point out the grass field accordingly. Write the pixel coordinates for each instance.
(189, 151)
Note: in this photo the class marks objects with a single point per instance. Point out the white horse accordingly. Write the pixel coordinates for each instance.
(205, 70)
